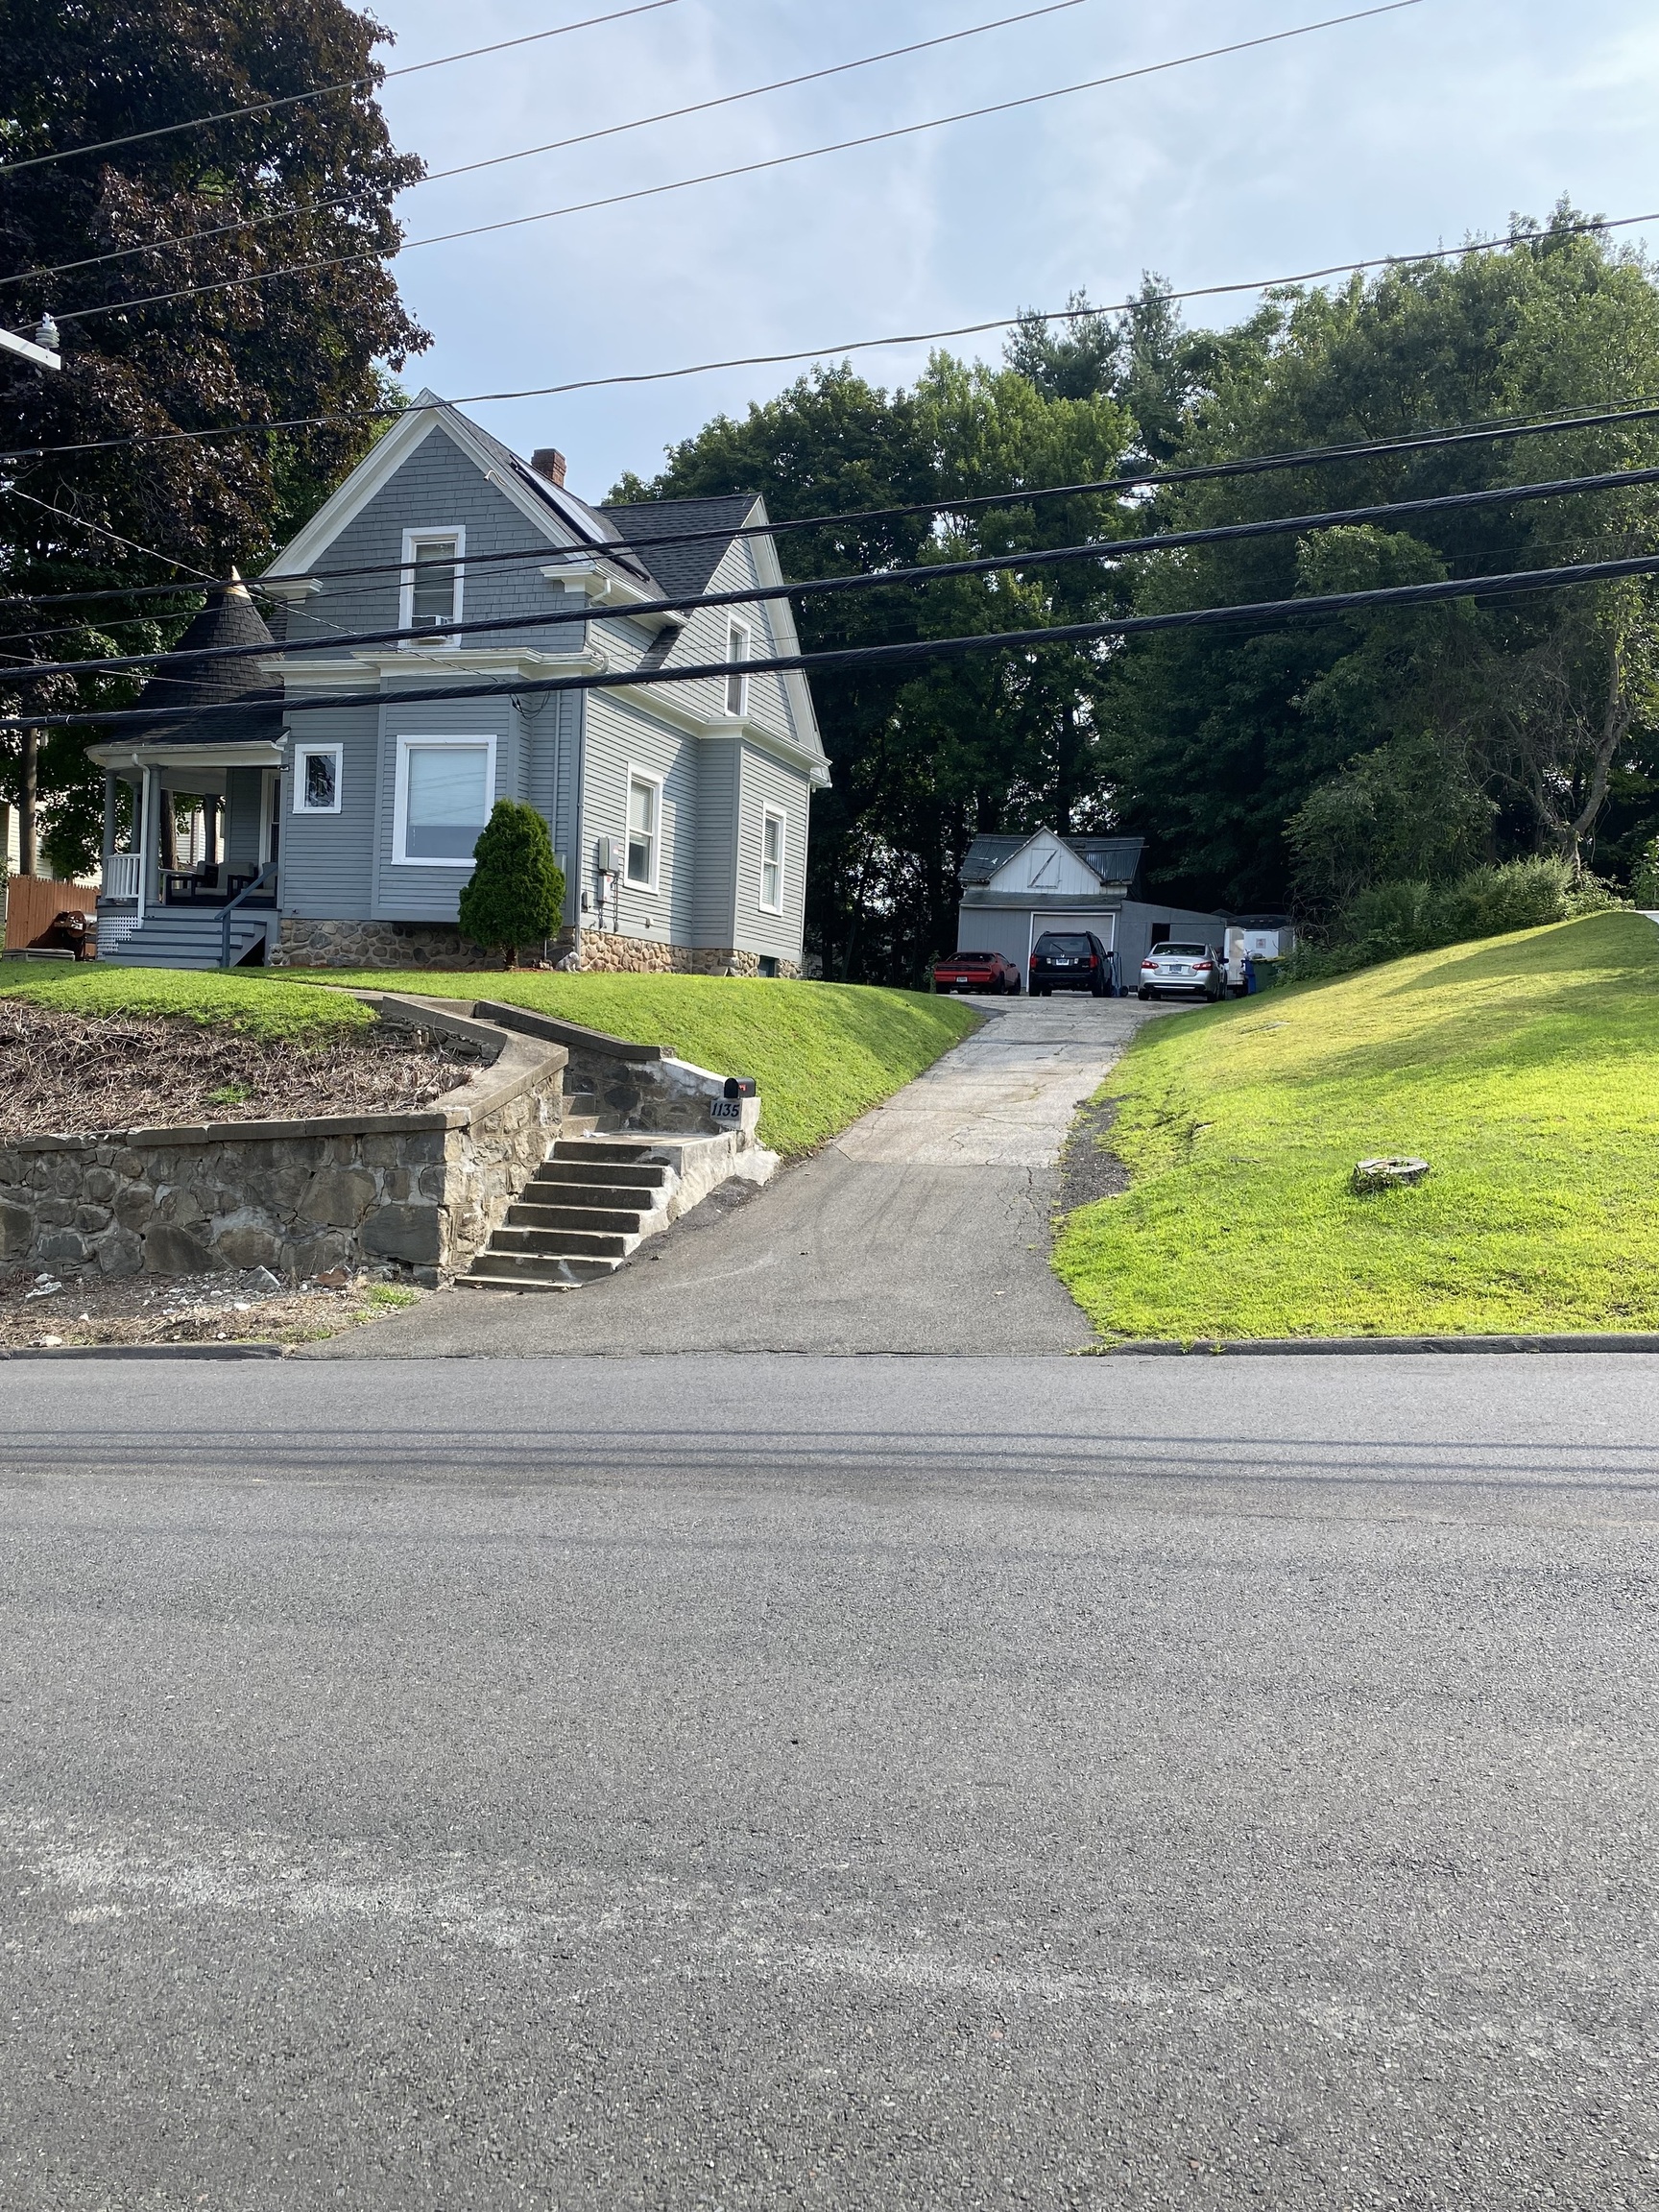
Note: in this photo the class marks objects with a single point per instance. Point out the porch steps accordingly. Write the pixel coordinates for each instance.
(176, 939)
(591, 1205)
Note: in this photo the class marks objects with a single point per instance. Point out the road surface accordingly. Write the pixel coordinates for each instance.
(764, 1782)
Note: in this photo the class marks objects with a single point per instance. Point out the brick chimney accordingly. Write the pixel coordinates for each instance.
(548, 463)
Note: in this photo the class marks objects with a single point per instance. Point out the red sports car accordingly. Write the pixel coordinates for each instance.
(976, 971)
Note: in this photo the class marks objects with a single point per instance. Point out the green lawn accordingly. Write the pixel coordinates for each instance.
(821, 1052)
(1524, 1068)
(264, 1006)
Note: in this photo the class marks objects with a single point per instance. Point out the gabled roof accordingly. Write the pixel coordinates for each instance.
(1115, 860)
(683, 570)
(251, 703)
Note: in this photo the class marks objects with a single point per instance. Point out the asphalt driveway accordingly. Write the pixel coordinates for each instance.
(924, 1228)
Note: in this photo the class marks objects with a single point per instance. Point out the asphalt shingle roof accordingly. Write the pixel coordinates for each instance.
(1114, 859)
(683, 570)
(251, 703)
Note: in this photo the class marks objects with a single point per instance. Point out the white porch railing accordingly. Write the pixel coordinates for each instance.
(121, 875)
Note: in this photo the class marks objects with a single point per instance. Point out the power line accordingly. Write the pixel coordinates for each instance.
(553, 144)
(930, 572)
(257, 429)
(133, 545)
(321, 91)
(742, 168)
(1265, 613)
(1246, 465)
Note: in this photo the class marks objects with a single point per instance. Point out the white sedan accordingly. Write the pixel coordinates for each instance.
(1169, 969)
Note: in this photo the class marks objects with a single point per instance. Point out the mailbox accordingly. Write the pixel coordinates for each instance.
(741, 1087)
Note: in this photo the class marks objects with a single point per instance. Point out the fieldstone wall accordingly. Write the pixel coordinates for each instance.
(424, 1190)
(438, 946)
(608, 952)
(304, 942)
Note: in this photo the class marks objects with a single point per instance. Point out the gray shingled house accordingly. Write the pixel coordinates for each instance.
(341, 834)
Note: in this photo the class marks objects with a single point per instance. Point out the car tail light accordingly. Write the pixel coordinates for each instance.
(1204, 968)
(1148, 963)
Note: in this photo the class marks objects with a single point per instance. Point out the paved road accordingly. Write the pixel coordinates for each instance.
(923, 1227)
(753, 1783)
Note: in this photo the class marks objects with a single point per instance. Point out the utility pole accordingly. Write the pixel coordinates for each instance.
(42, 348)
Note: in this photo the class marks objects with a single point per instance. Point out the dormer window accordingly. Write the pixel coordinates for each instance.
(432, 594)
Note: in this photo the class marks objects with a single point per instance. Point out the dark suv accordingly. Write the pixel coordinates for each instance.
(1072, 962)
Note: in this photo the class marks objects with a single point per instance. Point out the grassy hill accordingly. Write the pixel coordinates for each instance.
(823, 1053)
(1524, 1069)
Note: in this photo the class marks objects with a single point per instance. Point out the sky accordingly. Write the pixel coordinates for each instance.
(1391, 136)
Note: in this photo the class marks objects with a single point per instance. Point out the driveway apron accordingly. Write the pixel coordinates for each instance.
(923, 1227)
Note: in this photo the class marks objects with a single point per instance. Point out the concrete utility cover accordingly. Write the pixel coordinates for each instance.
(923, 1227)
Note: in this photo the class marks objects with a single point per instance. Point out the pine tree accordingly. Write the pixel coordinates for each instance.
(515, 894)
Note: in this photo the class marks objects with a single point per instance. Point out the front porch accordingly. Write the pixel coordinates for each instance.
(191, 840)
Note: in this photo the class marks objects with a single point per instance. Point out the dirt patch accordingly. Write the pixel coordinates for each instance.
(42, 1310)
(75, 1075)
(1088, 1168)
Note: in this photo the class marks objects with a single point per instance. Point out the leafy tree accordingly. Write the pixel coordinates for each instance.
(1540, 706)
(515, 893)
(310, 344)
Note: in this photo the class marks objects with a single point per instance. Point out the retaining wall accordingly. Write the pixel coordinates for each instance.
(424, 1190)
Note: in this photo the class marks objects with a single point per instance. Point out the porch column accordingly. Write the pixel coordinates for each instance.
(110, 820)
(209, 831)
(149, 792)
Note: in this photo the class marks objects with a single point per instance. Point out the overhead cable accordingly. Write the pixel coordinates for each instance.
(738, 169)
(1263, 612)
(321, 91)
(552, 145)
(1153, 479)
(931, 572)
(847, 345)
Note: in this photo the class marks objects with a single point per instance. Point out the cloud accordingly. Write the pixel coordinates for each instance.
(1379, 137)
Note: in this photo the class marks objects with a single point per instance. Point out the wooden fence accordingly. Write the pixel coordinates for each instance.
(33, 903)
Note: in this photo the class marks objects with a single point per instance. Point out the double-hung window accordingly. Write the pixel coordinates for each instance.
(430, 600)
(736, 683)
(445, 789)
(771, 835)
(645, 808)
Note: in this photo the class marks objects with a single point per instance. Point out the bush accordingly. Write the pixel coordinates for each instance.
(515, 894)
(1644, 877)
(1393, 920)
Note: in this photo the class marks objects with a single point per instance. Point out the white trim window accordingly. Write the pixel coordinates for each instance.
(317, 771)
(737, 640)
(445, 788)
(644, 840)
(774, 835)
(429, 600)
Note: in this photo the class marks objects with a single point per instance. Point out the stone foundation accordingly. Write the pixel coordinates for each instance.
(425, 1190)
(439, 945)
(608, 952)
(302, 943)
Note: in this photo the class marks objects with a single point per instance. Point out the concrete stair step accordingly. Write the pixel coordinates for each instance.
(530, 1272)
(563, 1244)
(616, 1149)
(590, 1173)
(523, 1214)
